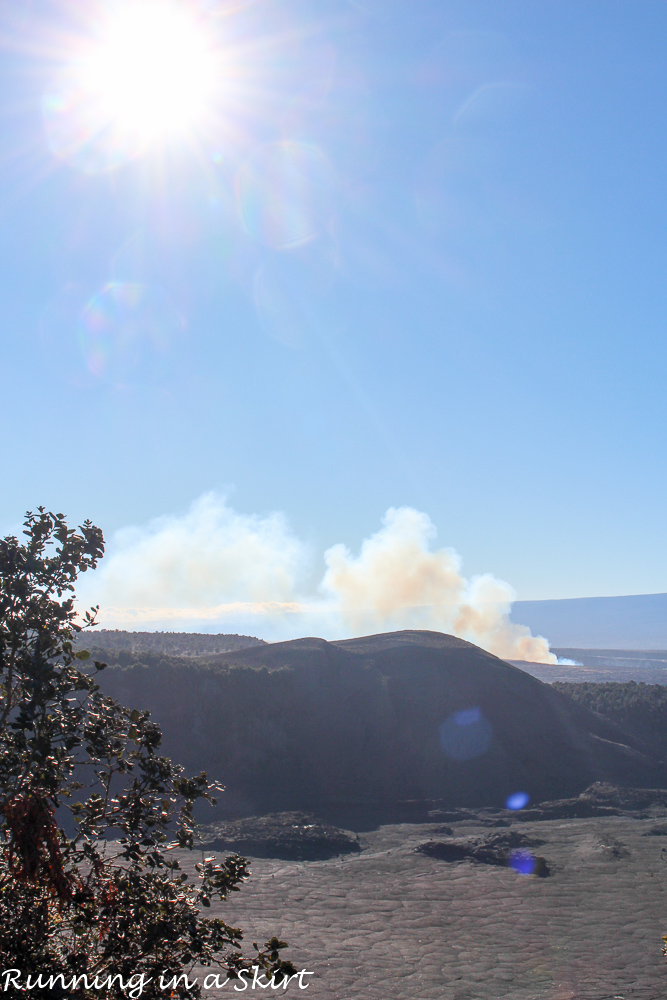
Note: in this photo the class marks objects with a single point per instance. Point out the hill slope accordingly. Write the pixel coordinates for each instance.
(638, 708)
(412, 715)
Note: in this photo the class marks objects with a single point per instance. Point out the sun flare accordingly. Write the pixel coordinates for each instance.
(151, 70)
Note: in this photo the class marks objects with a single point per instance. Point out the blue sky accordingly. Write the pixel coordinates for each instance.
(414, 259)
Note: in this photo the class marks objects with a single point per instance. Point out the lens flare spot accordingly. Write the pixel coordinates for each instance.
(126, 332)
(465, 734)
(284, 194)
(519, 800)
(522, 862)
(468, 717)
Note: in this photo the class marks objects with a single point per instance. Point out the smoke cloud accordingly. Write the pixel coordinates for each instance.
(214, 569)
(209, 557)
(397, 582)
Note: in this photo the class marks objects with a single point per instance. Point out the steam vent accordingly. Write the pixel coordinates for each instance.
(383, 724)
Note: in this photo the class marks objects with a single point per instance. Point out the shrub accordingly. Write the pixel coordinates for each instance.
(89, 809)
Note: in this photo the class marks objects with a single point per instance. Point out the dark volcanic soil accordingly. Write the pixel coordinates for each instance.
(381, 725)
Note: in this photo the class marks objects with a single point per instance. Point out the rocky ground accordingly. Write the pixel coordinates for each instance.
(394, 923)
(288, 836)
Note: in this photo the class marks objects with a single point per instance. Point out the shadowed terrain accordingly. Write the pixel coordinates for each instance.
(376, 729)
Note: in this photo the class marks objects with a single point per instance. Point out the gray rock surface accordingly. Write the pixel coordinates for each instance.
(392, 924)
(290, 836)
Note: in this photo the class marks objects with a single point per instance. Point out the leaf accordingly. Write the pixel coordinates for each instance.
(83, 654)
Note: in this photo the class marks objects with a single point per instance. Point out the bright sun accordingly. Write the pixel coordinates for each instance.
(152, 69)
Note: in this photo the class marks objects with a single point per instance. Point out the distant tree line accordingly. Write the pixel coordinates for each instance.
(132, 645)
(638, 708)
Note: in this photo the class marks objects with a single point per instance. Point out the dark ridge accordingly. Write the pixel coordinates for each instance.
(383, 728)
(132, 645)
(638, 708)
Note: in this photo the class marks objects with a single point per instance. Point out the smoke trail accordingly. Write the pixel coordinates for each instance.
(214, 569)
(398, 582)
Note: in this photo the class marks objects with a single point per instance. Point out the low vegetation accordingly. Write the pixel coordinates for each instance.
(639, 709)
(125, 648)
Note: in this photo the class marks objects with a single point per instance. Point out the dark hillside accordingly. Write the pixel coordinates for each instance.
(640, 709)
(372, 722)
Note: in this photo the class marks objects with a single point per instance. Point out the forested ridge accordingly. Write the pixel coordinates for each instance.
(640, 709)
(127, 648)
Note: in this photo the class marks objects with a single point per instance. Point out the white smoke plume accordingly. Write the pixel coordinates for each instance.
(214, 569)
(209, 557)
(398, 582)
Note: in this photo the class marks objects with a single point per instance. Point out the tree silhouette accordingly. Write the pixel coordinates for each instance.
(91, 892)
